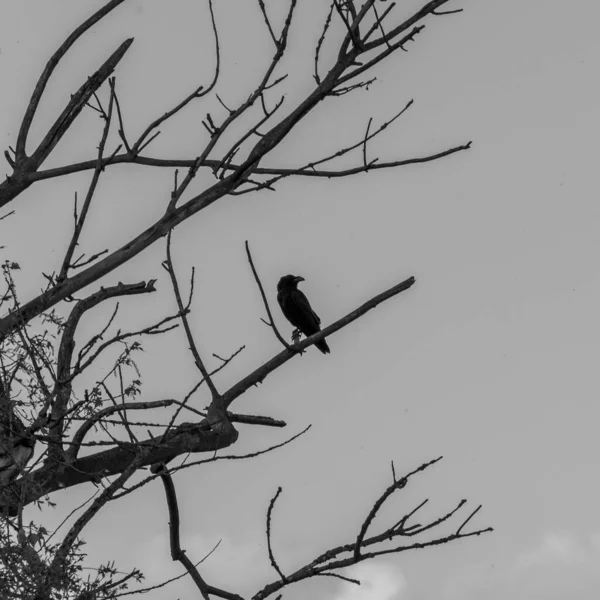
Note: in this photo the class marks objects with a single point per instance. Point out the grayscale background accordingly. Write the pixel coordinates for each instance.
(490, 360)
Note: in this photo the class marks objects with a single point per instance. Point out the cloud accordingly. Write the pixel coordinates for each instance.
(242, 566)
(556, 548)
(560, 565)
(379, 581)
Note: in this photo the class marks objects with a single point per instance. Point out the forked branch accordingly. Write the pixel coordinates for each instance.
(365, 548)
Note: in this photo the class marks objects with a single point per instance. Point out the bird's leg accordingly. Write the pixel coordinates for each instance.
(295, 339)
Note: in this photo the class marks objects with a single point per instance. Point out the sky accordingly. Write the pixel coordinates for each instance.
(489, 360)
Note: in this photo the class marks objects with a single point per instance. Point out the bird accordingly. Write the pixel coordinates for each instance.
(297, 309)
(16, 448)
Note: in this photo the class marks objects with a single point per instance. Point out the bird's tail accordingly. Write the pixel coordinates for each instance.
(323, 347)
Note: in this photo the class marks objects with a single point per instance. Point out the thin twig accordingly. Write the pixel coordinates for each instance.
(263, 10)
(265, 301)
(198, 92)
(471, 515)
(168, 264)
(446, 12)
(271, 555)
(365, 164)
(88, 198)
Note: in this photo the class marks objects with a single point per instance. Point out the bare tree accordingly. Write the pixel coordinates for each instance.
(52, 434)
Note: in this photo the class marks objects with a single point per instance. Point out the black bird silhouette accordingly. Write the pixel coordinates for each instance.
(297, 310)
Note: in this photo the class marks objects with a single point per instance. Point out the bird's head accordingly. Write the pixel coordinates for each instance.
(27, 442)
(289, 281)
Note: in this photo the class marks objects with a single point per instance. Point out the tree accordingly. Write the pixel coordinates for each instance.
(51, 404)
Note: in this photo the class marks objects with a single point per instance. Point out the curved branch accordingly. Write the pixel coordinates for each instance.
(271, 555)
(76, 105)
(304, 171)
(49, 69)
(264, 297)
(199, 92)
(177, 553)
(168, 265)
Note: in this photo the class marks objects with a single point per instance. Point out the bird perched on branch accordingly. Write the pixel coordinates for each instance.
(16, 446)
(297, 310)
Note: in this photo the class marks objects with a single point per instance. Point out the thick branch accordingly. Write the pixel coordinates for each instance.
(187, 437)
(85, 428)
(75, 283)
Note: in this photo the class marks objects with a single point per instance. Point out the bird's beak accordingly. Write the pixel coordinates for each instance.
(299, 279)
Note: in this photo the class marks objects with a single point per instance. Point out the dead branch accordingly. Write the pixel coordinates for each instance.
(199, 439)
(57, 568)
(177, 554)
(215, 458)
(363, 33)
(341, 72)
(199, 92)
(79, 222)
(352, 553)
(154, 329)
(271, 555)
(320, 42)
(271, 322)
(63, 387)
(74, 107)
(49, 69)
(261, 373)
(263, 10)
(183, 310)
(187, 437)
(273, 171)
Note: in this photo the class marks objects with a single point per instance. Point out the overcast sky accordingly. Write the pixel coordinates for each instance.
(489, 360)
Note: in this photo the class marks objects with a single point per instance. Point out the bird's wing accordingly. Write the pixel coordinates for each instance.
(297, 310)
(302, 301)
